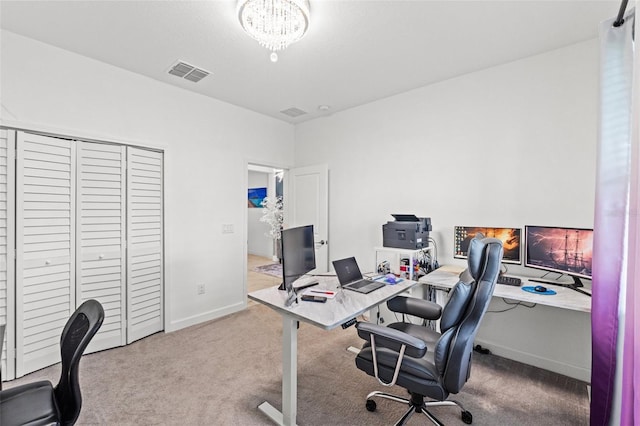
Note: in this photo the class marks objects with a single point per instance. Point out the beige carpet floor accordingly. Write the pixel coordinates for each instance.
(218, 372)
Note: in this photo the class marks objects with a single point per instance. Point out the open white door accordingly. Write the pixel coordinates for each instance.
(307, 203)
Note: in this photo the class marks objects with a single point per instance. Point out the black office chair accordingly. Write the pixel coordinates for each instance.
(40, 403)
(421, 360)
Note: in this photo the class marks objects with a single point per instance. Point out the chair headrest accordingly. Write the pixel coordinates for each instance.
(476, 257)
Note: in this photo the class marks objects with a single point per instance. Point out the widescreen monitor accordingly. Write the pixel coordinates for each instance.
(298, 254)
(557, 249)
(510, 238)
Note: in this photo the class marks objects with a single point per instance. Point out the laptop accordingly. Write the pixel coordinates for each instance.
(351, 278)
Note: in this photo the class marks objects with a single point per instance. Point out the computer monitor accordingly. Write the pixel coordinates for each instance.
(562, 250)
(510, 238)
(298, 254)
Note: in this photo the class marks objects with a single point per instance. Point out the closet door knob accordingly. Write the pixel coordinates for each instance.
(101, 256)
(47, 262)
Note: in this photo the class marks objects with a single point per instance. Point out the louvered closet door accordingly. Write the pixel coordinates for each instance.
(45, 243)
(145, 265)
(7, 228)
(100, 248)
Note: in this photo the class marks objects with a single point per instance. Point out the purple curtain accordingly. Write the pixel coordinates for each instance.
(630, 398)
(615, 226)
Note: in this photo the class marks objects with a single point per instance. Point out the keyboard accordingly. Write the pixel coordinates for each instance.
(360, 284)
(503, 279)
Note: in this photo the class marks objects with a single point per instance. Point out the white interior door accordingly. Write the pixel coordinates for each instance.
(100, 248)
(45, 248)
(145, 254)
(7, 245)
(307, 203)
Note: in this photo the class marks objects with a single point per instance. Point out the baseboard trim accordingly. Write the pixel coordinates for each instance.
(206, 316)
(577, 372)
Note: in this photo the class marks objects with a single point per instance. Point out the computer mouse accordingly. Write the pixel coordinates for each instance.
(540, 288)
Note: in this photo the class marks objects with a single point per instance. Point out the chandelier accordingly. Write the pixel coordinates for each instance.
(275, 24)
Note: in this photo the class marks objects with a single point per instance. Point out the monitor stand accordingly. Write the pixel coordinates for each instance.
(291, 299)
(296, 289)
(573, 286)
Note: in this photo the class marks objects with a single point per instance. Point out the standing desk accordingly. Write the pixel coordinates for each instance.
(447, 276)
(555, 336)
(344, 306)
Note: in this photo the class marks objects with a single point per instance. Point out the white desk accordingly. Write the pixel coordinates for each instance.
(566, 298)
(555, 335)
(345, 306)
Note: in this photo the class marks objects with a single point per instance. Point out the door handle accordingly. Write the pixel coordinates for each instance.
(322, 242)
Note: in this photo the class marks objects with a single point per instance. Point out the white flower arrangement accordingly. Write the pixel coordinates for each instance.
(273, 216)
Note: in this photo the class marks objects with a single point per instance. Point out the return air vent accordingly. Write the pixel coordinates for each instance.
(188, 72)
(293, 112)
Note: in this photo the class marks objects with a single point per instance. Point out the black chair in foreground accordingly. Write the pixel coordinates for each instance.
(40, 403)
(427, 363)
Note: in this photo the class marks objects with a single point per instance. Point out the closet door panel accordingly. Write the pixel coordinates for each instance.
(7, 246)
(45, 248)
(145, 265)
(101, 237)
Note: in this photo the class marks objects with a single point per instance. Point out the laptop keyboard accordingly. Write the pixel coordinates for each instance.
(360, 284)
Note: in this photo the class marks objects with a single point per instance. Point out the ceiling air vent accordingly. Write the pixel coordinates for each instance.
(188, 72)
(293, 112)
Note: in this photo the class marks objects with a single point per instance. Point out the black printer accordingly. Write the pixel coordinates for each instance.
(407, 231)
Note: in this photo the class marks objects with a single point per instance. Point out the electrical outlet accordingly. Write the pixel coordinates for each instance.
(227, 228)
(201, 288)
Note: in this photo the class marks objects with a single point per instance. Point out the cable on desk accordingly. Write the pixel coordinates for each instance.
(513, 306)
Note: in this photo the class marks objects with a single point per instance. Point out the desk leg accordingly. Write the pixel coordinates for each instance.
(289, 369)
(289, 376)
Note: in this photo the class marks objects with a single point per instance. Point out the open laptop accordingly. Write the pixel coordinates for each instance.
(351, 278)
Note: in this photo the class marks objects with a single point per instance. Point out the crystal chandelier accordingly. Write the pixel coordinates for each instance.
(275, 24)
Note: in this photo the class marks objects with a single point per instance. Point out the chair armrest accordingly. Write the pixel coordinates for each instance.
(392, 339)
(417, 307)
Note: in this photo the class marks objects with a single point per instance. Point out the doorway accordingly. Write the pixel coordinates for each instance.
(305, 194)
(263, 258)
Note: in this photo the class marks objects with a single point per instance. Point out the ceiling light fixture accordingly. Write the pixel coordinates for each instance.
(275, 24)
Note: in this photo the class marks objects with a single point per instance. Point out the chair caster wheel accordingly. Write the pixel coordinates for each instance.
(371, 405)
(466, 417)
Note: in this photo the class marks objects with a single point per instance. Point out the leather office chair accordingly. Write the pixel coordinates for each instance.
(421, 360)
(40, 403)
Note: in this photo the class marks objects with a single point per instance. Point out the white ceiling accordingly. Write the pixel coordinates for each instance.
(355, 52)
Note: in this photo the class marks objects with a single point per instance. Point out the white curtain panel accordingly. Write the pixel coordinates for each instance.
(615, 273)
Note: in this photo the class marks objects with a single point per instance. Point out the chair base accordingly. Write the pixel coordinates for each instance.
(417, 404)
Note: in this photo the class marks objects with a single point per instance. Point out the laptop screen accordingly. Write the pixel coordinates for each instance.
(347, 270)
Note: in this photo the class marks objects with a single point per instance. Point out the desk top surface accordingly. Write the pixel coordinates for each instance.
(344, 306)
(447, 277)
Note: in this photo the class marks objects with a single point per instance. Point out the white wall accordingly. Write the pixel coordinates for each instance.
(206, 146)
(257, 242)
(504, 147)
(507, 146)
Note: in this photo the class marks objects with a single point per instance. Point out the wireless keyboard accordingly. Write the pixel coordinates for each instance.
(503, 279)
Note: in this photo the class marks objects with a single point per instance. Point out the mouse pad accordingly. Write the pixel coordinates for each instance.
(532, 289)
